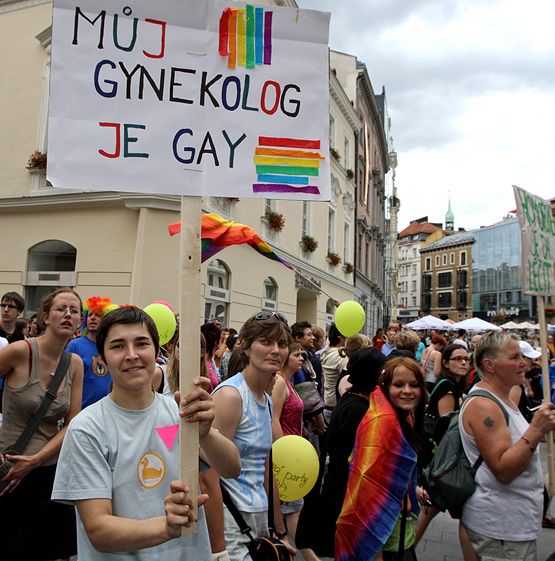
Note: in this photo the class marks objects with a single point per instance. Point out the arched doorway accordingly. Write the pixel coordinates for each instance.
(50, 265)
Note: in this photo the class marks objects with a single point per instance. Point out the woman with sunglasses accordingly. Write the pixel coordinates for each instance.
(33, 527)
(243, 414)
(446, 396)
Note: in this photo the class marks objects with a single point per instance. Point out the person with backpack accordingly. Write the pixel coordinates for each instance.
(446, 396)
(504, 514)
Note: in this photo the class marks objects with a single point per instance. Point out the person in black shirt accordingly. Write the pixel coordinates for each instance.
(11, 306)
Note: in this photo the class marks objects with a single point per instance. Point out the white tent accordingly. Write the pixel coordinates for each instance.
(428, 322)
(476, 324)
(527, 325)
(510, 325)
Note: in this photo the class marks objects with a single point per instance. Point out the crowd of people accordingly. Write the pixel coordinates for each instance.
(95, 471)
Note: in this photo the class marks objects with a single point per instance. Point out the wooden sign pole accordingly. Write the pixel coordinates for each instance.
(189, 339)
(546, 393)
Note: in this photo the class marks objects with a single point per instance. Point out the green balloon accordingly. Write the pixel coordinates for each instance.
(164, 319)
(349, 318)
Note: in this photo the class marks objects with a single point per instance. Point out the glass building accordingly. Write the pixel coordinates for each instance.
(497, 281)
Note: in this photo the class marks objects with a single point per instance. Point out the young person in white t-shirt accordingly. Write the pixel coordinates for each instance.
(119, 464)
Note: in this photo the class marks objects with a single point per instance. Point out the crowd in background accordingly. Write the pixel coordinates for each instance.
(361, 402)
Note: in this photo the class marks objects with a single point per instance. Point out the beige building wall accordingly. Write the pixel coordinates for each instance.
(123, 249)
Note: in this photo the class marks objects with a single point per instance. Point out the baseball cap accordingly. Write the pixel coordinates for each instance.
(528, 351)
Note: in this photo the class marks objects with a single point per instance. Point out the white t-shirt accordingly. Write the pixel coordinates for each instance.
(501, 511)
(115, 453)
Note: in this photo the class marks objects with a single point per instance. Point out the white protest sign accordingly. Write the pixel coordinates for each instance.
(191, 97)
(538, 243)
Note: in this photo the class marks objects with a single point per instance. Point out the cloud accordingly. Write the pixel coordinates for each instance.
(470, 88)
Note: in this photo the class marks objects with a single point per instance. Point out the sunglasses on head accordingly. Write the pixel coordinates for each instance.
(267, 314)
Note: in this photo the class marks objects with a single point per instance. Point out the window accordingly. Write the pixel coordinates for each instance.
(413, 269)
(217, 298)
(443, 280)
(452, 259)
(428, 263)
(331, 229)
(437, 260)
(461, 300)
(305, 219)
(269, 294)
(347, 153)
(445, 258)
(444, 300)
(463, 258)
(414, 252)
(413, 285)
(426, 302)
(346, 242)
(414, 301)
(462, 279)
(427, 282)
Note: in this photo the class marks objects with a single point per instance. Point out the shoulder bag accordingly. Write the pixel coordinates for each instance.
(19, 447)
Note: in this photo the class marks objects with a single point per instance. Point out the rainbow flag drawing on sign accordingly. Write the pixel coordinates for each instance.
(246, 36)
(285, 165)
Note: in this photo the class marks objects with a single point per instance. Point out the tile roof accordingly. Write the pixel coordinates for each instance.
(418, 228)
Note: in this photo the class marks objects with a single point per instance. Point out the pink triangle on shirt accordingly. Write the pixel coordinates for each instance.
(168, 434)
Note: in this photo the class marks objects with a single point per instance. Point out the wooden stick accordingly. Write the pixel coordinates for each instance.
(546, 393)
(189, 340)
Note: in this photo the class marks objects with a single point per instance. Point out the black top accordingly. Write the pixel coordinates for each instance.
(12, 337)
(442, 388)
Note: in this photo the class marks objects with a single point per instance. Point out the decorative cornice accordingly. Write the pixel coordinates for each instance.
(344, 103)
(13, 5)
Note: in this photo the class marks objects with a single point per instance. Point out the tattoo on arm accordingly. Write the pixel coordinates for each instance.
(488, 421)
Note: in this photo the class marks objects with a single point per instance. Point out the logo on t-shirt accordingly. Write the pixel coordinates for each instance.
(151, 470)
(98, 367)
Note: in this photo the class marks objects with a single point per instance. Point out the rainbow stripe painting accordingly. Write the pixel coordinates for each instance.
(246, 36)
(285, 165)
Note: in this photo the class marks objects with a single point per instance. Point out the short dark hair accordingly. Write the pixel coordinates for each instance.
(334, 335)
(298, 328)
(446, 356)
(16, 298)
(126, 315)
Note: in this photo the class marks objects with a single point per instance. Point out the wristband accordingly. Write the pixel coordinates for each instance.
(281, 535)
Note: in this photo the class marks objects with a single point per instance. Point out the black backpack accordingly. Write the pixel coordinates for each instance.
(449, 477)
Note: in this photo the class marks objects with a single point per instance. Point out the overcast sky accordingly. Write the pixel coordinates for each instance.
(470, 86)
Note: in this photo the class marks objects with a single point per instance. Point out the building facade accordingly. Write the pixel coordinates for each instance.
(372, 165)
(409, 270)
(447, 276)
(496, 271)
(117, 244)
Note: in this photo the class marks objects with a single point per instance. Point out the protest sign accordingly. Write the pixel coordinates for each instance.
(193, 98)
(538, 243)
(537, 231)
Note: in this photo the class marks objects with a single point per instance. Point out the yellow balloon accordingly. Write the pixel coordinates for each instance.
(296, 465)
(349, 318)
(164, 320)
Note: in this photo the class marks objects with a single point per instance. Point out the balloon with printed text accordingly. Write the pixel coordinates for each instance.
(349, 318)
(295, 464)
(164, 319)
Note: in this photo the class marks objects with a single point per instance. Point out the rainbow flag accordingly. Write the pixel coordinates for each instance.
(380, 474)
(245, 36)
(218, 233)
(285, 165)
